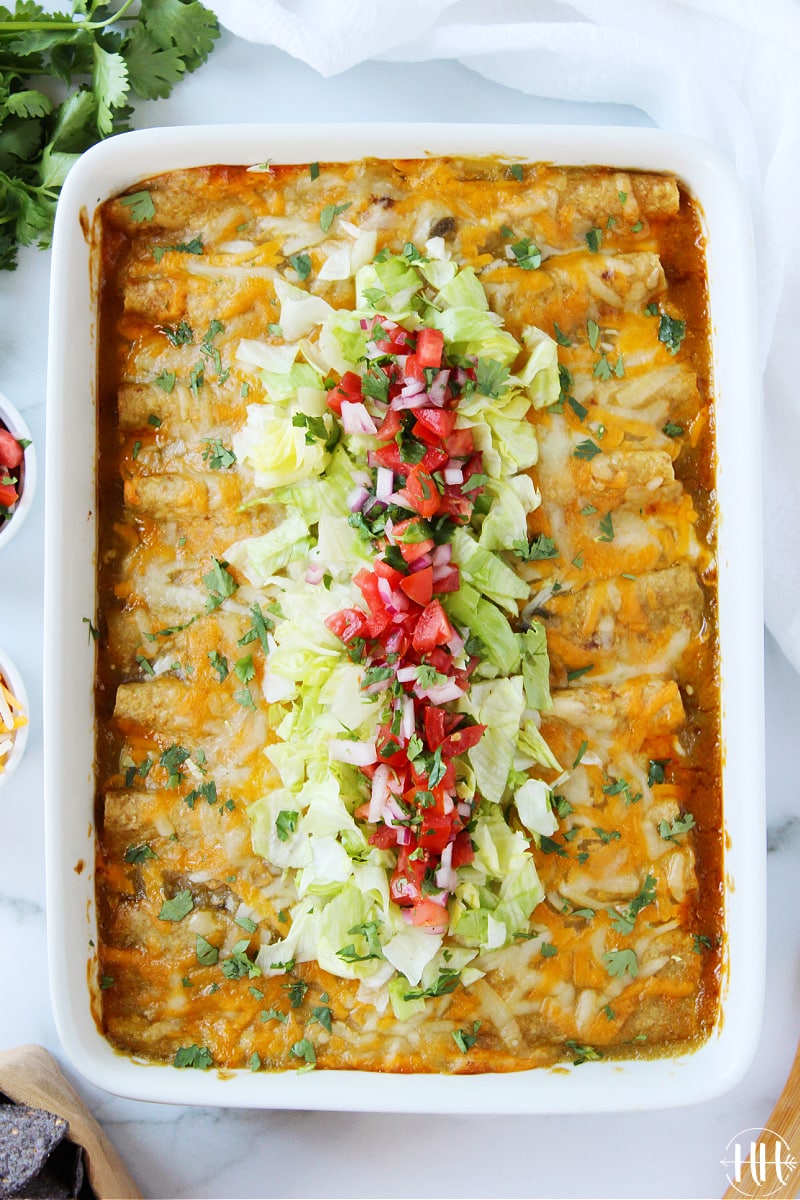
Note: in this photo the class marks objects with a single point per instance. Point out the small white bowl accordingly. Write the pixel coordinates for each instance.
(13, 681)
(14, 422)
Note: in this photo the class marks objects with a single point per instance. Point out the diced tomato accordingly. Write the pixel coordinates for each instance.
(455, 506)
(351, 383)
(8, 494)
(440, 660)
(367, 583)
(384, 837)
(389, 456)
(421, 492)
(414, 368)
(433, 628)
(347, 624)
(388, 747)
(438, 420)
(436, 830)
(429, 915)
(390, 426)
(10, 450)
(448, 579)
(419, 586)
(405, 887)
(385, 571)
(473, 466)
(433, 720)
(416, 549)
(430, 346)
(462, 740)
(463, 854)
(460, 443)
(348, 388)
(433, 459)
(424, 434)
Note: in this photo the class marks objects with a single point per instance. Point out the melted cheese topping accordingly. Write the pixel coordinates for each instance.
(625, 472)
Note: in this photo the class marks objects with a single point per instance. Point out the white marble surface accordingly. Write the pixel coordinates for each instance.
(177, 1152)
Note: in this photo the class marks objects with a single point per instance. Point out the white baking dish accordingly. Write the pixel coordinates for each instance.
(70, 598)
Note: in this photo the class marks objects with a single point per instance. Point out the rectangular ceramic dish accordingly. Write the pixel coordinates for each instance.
(70, 599)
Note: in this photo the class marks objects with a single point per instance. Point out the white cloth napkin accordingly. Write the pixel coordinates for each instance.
(727, 71)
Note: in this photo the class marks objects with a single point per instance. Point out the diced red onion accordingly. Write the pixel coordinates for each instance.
(420, 562)
(357, 499)
(442, 554)
(453, 475)
(380, 792)
(442, 693)
(356, 419)
(447, 855)
(455, 645)
(364, 323)
(314, 573)
(361, 479)
(358, 754)
(389, 528)
(438, 388)
(460, 376)
(406, 674)
(407, 724)
(385, 483)
(394, 641)
(394, 810)
(413, 387)
(464, 809)
(448, 804)
(400, 402)
(387, 595)
(404, 837)
(400, 600)
(400, 500)
(446, 879)
(439, 898)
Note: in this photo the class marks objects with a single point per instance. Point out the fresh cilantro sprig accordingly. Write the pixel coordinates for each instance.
(106, 55)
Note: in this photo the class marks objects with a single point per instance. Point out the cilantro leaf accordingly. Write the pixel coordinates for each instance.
(301, 264)
(178, 907)
(540, 547)
(110, 85)
(329, 214)
(671, 332)
(620, 962)
(680, 825)
(142, 209)
(195, 1056)
(490, 377)
(586, 449)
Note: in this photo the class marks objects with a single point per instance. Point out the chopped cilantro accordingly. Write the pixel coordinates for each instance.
(527, 254)
(286, 823)
(195, 1056)
(594, 239)
(329, 214)
(139, 854)
(178, 907)
(671, 332)
(586, 449)
(621, 962)
(680, 825)
(301, 264)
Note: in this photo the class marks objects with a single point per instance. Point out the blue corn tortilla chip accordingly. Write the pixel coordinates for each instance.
(28, 1136)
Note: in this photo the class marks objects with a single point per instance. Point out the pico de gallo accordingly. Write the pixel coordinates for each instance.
(12, 453)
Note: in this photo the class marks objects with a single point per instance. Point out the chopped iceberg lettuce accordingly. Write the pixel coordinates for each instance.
(540, 373)
(276, 449)
(258, 558)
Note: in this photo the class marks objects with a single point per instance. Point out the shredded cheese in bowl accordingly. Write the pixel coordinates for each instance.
(13, 718)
